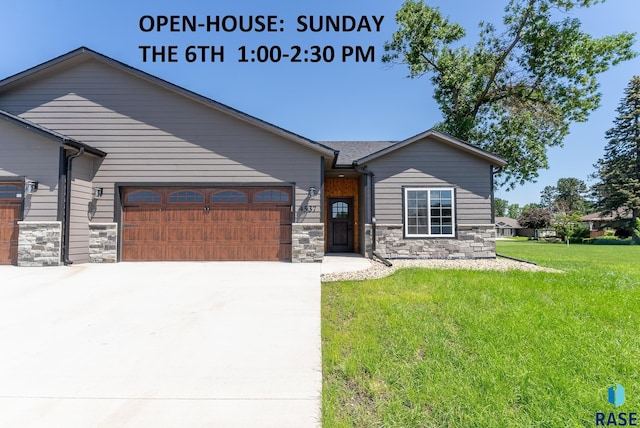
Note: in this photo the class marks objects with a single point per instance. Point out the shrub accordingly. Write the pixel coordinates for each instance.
(608, 240)
(581, 232)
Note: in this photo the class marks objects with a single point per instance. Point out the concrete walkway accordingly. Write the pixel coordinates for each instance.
(160, 345)
(344, 262)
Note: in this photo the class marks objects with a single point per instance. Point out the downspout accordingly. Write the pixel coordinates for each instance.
(494, 171)
(66, 220)
(372, 203)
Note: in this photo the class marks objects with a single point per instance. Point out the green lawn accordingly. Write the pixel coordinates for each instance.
(438, 348)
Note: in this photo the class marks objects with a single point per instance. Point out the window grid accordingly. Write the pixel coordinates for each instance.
(429, 212)
(271, 195)
(186, 196)
(229, 196)
(339, 210)
(9, 191)
(144, 196)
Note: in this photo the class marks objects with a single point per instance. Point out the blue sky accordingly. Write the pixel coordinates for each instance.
(322, 101)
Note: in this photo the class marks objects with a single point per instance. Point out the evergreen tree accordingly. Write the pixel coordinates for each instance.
(548, 197)
(568, 196)
(619, 169)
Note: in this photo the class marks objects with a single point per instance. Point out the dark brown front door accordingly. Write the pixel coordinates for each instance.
(340, 225)
(10, 213)
(207, 224)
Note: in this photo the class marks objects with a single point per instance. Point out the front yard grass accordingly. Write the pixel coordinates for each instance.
(457, 348)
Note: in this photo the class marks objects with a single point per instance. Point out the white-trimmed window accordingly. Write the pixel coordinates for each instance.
(429, 212)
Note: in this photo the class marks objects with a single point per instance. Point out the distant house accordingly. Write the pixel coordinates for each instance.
(102, 162)
(599, 222)
(506, 226)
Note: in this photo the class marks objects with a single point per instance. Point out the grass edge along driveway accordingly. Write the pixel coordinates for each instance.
(459, 348)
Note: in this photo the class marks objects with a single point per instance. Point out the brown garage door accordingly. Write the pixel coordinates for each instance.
(10, 210)
(170, 224)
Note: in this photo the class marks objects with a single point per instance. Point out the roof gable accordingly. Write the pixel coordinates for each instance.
(442, 138)
(56, 136)
(83, 53)
(507, 222)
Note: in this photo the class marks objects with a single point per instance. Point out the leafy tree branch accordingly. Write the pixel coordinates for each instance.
(516, 91)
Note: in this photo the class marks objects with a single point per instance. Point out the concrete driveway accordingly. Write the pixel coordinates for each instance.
(160, 345)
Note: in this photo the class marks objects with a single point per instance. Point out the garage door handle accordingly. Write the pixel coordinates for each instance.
(206, 209)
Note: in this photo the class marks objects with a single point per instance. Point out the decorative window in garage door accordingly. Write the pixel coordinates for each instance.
(186, 196)
(271, 195)
(229, 196)
(144, 196)
(10, 191)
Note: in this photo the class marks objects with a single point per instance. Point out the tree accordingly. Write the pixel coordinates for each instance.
(500, 207)
(571, 196)
(514, 211)
(548, 197)
(535, 218)
(566, 225)
(530, 206)
(518, 89)
(619, 169)
(568, 196)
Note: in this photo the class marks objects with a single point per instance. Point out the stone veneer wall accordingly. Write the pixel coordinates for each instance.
(39, 243)
(103, 242)
(307, 244)
(475, 241)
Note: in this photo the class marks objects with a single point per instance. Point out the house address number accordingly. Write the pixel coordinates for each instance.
(308, 208)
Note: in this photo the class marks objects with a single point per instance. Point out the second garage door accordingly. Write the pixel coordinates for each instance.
(10, 210)
(171, 224)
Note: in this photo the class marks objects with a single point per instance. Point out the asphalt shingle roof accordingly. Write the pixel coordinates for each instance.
(614, 215)
(354, 150)
(507, 222)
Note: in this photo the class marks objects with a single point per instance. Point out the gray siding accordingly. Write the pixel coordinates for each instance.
(82, 171)
(24, 153)
(432, 163)
(154, 135)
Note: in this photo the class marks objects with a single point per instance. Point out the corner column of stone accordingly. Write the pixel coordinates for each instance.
(39, 243)
(103, 239)
(307, 242)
